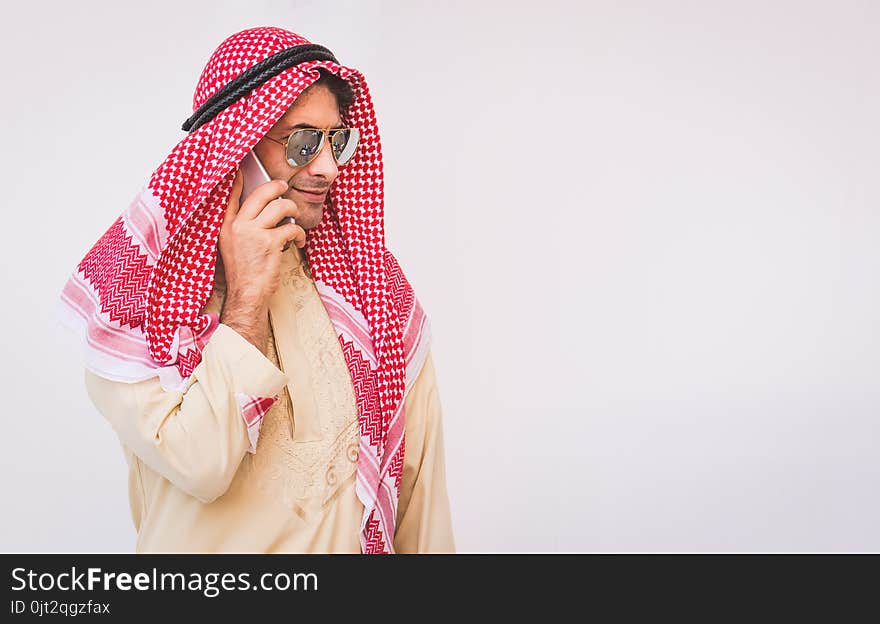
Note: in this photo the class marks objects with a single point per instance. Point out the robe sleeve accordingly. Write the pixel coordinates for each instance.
(195, 438)
(424, 522)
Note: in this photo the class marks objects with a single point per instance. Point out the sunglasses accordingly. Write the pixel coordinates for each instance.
(302, 146)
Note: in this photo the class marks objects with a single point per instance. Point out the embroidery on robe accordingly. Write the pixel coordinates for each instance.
(303, 477)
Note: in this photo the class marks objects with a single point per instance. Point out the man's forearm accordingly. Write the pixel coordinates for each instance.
(249, 318)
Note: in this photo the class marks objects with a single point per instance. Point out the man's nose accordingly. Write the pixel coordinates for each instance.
(324, 165)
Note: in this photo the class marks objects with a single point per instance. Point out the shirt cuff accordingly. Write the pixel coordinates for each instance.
(257, 380)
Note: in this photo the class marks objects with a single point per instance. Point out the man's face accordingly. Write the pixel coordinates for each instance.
(316, 107)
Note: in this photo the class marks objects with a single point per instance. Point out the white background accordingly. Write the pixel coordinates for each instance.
(646, 234)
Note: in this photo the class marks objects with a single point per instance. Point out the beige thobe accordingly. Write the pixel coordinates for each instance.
(193, 487)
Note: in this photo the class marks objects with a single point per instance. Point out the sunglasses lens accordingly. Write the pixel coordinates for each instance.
(345, 144)
(303, 146)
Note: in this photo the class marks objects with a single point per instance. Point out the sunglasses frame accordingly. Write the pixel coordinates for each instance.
(327, 134)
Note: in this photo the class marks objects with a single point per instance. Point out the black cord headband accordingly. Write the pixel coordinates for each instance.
(253, 77)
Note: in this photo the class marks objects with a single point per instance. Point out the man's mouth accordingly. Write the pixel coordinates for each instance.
(315, 196)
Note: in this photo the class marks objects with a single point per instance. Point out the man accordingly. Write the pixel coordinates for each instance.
(270, 382)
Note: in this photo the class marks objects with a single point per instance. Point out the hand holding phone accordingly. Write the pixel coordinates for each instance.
(254, 174)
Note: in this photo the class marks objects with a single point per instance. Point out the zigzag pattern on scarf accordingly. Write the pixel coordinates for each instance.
(363, 378)
(399, 287)
(375, 538)
(395, 466)
(187, 361)
(123, 293)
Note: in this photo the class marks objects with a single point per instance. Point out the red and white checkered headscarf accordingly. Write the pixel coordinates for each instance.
(136, 297)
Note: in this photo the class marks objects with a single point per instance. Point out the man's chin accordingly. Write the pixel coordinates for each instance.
(312, 218)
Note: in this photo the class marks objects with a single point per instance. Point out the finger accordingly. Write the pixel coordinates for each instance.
(262, 195)
(290, 232)
(275, 211)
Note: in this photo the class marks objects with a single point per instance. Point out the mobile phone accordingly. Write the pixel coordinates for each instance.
(254, 174)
